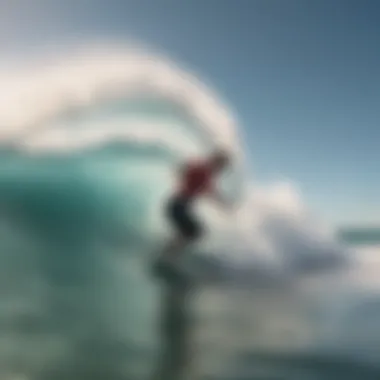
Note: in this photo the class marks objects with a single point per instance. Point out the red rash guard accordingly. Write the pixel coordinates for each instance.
(196, 180)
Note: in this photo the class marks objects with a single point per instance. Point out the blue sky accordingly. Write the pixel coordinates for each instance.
(302, 76)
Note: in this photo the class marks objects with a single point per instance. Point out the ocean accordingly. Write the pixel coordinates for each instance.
(89, 142)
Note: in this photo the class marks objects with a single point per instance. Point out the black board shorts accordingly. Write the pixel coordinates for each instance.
(179, 213)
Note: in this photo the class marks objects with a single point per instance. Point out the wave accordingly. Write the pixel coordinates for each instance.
(88, 144)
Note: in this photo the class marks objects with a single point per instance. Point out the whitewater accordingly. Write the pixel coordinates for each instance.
(89, 140)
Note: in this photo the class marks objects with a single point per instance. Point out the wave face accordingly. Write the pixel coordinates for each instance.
(89, 141)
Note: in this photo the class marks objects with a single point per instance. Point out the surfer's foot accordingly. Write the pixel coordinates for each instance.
(168, 270)
(163, 266)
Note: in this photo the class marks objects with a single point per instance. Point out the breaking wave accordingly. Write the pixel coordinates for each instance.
(89, 142)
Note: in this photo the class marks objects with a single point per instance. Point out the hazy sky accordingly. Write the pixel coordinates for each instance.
(302, 76)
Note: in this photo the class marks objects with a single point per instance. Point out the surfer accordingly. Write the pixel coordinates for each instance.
(196, 179)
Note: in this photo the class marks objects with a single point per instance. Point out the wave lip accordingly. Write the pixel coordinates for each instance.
(93, 77)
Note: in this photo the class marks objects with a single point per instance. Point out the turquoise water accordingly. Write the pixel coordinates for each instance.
(63, 235)
(75, 246)
(360, 236)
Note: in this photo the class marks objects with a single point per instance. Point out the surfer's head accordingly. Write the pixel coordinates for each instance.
(220, 159)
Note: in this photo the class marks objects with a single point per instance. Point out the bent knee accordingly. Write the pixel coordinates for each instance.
(196, 233)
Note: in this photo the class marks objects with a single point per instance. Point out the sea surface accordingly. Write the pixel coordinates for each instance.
(84, 172)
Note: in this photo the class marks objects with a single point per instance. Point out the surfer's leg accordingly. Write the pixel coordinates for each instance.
(166, 264)
(176, 245)
(187, 230)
